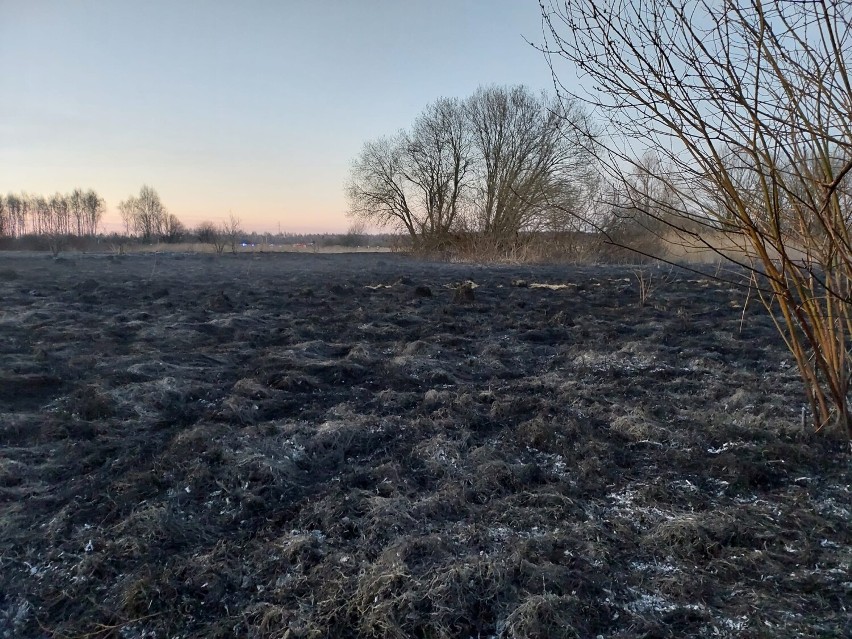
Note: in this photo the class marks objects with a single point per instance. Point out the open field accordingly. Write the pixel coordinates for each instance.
(357, 446)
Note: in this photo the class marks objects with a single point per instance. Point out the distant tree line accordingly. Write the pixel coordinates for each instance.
(61, 221)
(74, 214)
(79, 214)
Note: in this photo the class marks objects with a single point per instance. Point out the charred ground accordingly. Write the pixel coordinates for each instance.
(360, 446)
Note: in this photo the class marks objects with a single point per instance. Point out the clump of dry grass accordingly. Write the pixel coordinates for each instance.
(692, 536)
(635, 425)
(548, 435)
(397, 598)
(441, 455)
(545, 616)
(383, 601)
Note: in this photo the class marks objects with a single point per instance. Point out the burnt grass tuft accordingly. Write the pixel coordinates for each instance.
(309, 446)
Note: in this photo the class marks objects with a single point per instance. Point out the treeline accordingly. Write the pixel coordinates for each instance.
(61, 217)
(78, 213)
(71, 220)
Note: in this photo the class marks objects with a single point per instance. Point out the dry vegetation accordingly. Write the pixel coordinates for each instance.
(741, 110)
(372, 446)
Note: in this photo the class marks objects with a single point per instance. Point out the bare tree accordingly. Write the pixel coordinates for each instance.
(528, 159)
(378, 190)
(60, 221)
(145, 215)
(416, 181)
(127, 210)
(93, 211)
(39, 213)
(15, 215)
(231, 231)
(747, 105)
(438, 165)
(55, 222)
(77, 213)
(173, 229)
(76, 210)
(354, 235)
(641, 211)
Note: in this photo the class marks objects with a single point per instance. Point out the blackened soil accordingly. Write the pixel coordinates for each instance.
(370, 446)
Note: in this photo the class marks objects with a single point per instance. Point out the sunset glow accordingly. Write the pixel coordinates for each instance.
(254, 109)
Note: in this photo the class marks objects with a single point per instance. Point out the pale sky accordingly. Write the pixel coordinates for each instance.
(253, 107)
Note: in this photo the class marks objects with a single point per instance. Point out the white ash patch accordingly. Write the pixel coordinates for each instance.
(602, 362)
(830, 506)
(730, 446)
(648, 602)
(553, 287)
(684, 485)
(455, 285)
(717, 486)
(504, 533)
(654, 567)
(625, 505)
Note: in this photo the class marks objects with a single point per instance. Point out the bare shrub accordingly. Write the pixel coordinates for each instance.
(744, 108)
(209, 233)
(231, 231)
(649, 281)
(355, 235)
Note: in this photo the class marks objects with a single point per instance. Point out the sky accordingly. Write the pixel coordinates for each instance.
(255, 108)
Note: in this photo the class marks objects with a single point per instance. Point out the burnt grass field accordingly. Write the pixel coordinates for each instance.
(309, 446)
